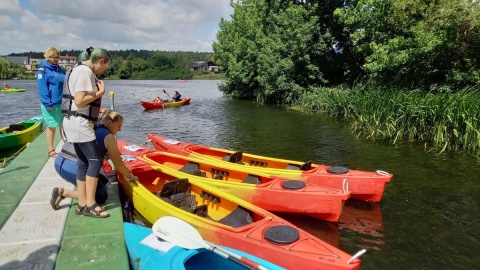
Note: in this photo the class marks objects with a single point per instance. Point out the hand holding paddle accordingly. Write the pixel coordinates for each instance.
(180, 233)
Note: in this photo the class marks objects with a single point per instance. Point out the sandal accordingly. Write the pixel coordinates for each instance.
(52, 153)
(92, 212)
(79, 210)
(57, 197)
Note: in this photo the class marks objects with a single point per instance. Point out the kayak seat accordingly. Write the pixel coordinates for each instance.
(306, 166)
(193, 168)
(190, 167)
(237, 218)
(234, 157)
(15, 127)
(200, 210)
(199, 173)
(174, 187)
(177, 193)
(252, 179)
(293, 167)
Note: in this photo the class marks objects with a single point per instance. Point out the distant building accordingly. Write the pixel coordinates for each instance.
(19, 60)
(65, 61)
(204, 66)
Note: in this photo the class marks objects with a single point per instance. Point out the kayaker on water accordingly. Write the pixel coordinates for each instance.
(176, 96)
(6, 86)
(158, 99)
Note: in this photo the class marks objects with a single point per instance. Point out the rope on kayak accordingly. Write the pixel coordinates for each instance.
(5, 160)
(12, 156)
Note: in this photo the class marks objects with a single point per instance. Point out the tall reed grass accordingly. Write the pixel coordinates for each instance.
(445, 120)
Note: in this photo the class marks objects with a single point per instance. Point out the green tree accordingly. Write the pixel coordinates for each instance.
(4, 68)
(416, 43)
(271, 50)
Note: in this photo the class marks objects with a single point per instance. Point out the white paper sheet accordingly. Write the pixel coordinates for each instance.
(128, 158)
(133, 147)
(170, 141)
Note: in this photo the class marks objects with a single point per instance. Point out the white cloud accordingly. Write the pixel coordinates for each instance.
(170, 25)
(9, 7)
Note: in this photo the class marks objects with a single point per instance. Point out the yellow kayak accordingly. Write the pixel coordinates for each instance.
(226, 220)
(364, 185)
(271, 193)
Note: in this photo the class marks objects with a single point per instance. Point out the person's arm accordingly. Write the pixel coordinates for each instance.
(43, 91)
(114, 155)
(87, 93)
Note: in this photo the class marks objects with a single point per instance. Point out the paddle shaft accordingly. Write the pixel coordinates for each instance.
(181, 233)
(218, 252)
(242, 260)
(166, 93)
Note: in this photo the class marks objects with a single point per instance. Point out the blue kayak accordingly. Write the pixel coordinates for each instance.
(143, 257)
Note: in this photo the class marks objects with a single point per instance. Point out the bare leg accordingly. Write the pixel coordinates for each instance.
(60, 132)
(81, 188)
(70, 194)
(91, 187)
(64, 193)
(50, 137)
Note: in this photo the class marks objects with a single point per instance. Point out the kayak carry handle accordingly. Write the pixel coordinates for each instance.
(358, 254)
(384, 173)
(345, 185)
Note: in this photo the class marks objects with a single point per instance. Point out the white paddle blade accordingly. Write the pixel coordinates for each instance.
(178, 232)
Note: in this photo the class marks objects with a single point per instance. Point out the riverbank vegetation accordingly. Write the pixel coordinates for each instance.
(399, 69)
(442, 120)
(133, 64)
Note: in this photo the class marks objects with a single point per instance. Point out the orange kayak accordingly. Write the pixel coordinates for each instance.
(364, 185)
(226, 220)
(271, 193)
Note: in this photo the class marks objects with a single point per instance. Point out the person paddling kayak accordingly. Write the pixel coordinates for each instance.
(176, 96)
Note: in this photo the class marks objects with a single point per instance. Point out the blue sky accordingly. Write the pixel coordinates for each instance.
(165, 25)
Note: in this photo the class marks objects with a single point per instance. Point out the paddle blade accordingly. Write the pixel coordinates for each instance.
(164, 91)
(178, 232)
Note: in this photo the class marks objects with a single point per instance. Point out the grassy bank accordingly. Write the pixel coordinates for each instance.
(445, 120)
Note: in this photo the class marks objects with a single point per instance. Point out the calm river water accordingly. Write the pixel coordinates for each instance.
(429, 217)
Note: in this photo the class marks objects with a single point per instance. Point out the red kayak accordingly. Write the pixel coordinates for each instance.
(271, 193)
(224, 219)
(364, 185)
(148, 105)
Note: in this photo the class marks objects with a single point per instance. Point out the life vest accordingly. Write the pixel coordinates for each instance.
(67, 100)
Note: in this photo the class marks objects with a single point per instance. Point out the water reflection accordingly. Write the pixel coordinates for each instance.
(327, 231)
(364, 218)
